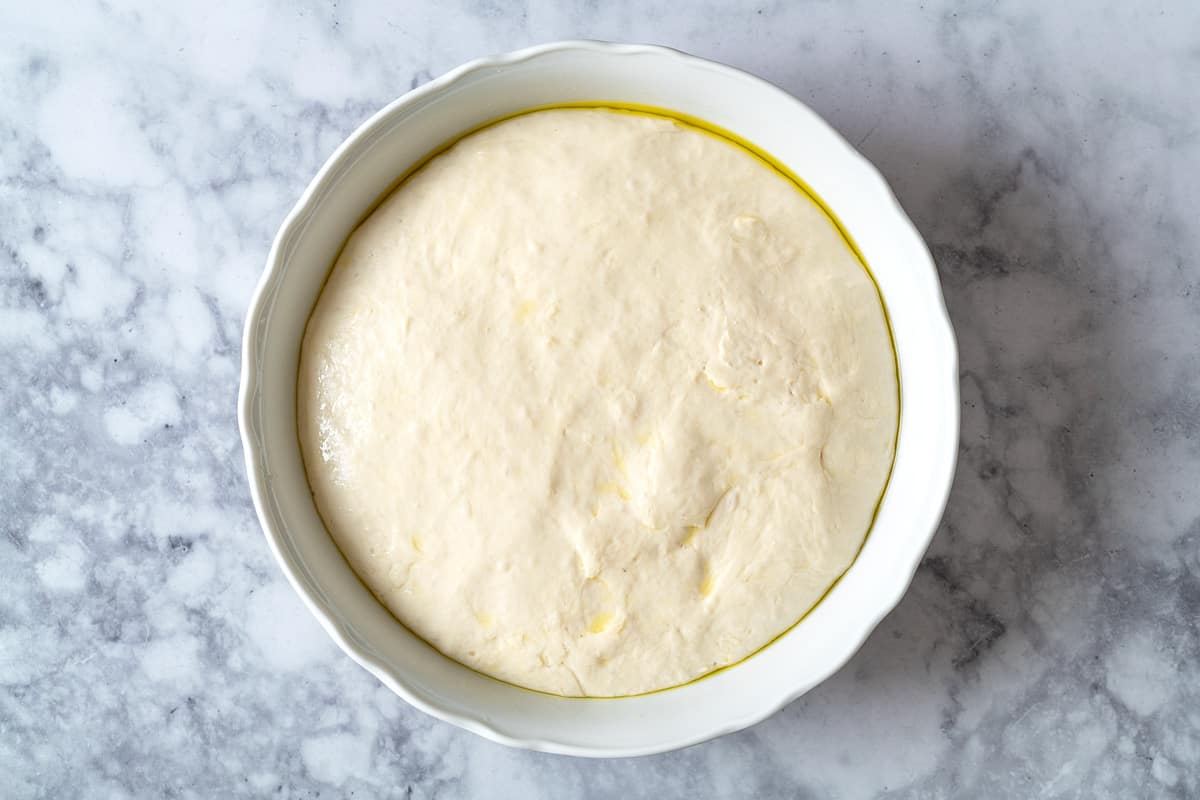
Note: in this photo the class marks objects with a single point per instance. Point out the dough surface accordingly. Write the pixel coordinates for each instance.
(596, 403)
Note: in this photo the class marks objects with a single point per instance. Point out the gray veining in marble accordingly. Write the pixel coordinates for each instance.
(1049, 152)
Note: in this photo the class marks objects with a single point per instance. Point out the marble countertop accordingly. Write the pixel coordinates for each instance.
(1049, 646)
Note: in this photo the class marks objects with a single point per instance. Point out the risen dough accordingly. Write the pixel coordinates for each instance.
(596, 403)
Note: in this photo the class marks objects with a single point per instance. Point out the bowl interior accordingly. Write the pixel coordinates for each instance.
(365, 167)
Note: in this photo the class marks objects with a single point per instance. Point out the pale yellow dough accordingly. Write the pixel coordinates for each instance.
(597, 403)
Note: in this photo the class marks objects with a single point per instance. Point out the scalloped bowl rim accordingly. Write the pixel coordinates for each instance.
(363, 652)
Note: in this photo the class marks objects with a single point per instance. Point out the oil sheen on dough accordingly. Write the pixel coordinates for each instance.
(597, 403)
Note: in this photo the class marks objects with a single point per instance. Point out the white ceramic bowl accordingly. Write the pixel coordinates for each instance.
(419, 122)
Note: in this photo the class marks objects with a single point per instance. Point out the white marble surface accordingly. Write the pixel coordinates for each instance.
(1050, 153)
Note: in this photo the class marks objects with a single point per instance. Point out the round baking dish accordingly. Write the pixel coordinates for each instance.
(367, 164)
